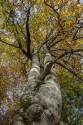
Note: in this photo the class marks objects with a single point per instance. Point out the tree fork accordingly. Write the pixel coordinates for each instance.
(42, 106)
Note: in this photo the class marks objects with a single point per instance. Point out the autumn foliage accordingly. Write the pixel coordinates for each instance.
(25, 23)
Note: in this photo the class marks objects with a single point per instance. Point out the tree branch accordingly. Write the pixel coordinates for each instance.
(53, 43)
(46, 39)
(28, 40)
(70, 70)
(21, 30)
(8, 43)
(55, 12)
(66, 53)
(76, 32)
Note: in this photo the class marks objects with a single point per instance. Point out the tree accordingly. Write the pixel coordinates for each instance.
(58, 31)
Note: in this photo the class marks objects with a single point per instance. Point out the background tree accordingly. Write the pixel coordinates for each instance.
(58, 24)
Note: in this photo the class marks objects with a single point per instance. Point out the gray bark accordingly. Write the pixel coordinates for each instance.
(41, 102)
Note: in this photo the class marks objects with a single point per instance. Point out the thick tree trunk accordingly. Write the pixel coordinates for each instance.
(41, 102)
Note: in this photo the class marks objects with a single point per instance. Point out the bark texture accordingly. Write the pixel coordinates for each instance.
(41, 102)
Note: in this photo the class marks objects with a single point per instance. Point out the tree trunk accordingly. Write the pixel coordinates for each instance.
(41, 102)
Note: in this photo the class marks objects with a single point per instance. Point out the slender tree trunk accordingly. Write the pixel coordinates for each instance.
(41, 103)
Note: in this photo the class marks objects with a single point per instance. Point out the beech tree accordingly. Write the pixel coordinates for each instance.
(45, 39)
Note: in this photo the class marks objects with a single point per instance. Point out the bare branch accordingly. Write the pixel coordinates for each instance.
(47, 38)
(62, 5)
(66, 53)
(21, 30)
(19, 47)
(8, 43)
(76, 32)
(61, 49)
(53, 43)
(70, 70)
(28, 40)
(81, 37)
(55, 12)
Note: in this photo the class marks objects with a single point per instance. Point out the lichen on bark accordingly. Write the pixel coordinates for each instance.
(41, 102)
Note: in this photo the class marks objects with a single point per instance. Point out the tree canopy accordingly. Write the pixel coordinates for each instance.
(27, 23)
